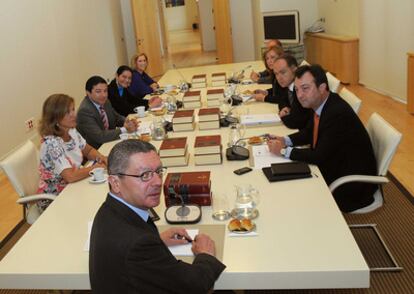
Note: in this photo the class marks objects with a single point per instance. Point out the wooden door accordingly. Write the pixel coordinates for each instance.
(147, 33)
(222, 28)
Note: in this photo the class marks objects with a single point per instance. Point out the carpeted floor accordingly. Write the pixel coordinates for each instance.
(395, 223)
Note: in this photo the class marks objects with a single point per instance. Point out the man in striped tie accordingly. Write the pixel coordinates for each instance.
(338, 141)
(97, 121)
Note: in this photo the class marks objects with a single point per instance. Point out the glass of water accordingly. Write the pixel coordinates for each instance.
(221, 208)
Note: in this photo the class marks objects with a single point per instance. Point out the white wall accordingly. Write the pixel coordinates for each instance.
(51, 47)
(341, 16)
(181, 17)
(208, 37)
(242, 30)
(386, 35)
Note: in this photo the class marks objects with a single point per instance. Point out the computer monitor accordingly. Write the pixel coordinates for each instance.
(282, 25)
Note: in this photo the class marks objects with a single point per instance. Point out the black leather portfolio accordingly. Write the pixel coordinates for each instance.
(287, 171)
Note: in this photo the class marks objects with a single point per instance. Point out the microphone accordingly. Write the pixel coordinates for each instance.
(237, 76)
(188, 85)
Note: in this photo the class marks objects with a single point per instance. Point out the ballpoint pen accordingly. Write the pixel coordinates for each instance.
(180, 237)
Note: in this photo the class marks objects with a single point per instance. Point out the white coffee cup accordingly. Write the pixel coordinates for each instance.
(140, 110)
(169, 88)
(97, 174)
(123, 136)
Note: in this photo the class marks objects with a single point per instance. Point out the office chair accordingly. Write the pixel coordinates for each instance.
(351, 98)
(21, 167)
(333, 82)
(385, 140)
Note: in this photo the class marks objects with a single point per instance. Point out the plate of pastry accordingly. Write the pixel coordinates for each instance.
(256, 140)
(241, 226)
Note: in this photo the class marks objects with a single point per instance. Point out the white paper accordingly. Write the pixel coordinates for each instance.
(259, 119)
(262, 157)
(88, 239)
(185, 249)
(144, 128)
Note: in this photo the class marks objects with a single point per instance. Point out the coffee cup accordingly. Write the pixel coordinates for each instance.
(97, 174)
(169, 88)
(123, 136)
(140, 110)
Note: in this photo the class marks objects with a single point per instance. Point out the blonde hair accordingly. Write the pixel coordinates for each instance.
(277, 49)
(54, 110)
(135, 57)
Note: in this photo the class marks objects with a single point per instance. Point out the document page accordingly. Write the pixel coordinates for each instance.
(262, 157)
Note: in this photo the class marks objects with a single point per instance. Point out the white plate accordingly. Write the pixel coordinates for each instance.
(92, 181)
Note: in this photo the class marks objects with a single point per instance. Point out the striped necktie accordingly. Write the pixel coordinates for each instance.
(315, 129)
(104, 117)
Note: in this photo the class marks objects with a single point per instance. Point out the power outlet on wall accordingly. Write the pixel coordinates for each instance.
(30, 124)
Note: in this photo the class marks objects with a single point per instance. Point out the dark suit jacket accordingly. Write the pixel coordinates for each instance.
(343, 148)
(126, 103)
(127, 255)
(90, 125)
(275, 91)
(298, 116)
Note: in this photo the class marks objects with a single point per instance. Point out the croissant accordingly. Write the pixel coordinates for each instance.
(235, 225)
(247, 224)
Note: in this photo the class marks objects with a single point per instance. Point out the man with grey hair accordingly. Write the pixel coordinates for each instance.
(127, 254)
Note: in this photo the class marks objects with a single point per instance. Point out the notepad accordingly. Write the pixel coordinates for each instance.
(185, 249)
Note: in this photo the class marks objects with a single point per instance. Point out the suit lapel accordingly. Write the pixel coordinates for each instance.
(95, 111)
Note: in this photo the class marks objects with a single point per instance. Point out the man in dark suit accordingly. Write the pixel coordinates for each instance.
(96, 120)
(291, 112)
(127, 254)
(340, 144)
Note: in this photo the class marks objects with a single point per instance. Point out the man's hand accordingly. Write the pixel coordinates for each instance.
(131, 125)
(259, 95)
(175, 236)
(155, 101)
(285, 111)
(275, 144)
(203, 244)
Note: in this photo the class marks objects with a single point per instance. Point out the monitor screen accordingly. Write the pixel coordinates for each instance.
(282, 25)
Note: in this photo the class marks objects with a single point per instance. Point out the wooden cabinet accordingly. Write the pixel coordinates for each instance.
(410, 82)
(336, 54)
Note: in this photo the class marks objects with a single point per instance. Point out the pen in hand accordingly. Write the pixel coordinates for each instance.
(179, 237)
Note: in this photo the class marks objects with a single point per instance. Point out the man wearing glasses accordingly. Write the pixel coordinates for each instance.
(127, 254)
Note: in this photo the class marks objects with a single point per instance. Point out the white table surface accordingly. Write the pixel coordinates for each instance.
(303, 240)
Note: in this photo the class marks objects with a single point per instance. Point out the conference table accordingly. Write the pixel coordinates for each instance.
(302, 240)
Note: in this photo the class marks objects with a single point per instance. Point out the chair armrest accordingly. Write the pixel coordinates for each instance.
(37, 197)
(357, 178)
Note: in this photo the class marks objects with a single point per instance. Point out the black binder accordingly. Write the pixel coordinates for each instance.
(287, 171)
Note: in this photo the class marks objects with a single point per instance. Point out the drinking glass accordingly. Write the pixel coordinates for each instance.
(221, 208)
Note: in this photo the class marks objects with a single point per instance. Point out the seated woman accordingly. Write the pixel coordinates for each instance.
(270, 95)
(121, 98)
(141, 83)
(62, 148)
(265, 77)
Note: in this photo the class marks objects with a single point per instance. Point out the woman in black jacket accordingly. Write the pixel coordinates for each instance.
(121, 99)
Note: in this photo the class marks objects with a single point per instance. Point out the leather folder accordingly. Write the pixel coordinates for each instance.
(287, 171)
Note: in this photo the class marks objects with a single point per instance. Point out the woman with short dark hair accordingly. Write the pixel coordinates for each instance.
(62, 149)
(120, 96)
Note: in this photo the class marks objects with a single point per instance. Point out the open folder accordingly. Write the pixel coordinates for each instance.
(287, 171)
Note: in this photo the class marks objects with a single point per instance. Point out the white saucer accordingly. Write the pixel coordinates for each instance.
(92, 181)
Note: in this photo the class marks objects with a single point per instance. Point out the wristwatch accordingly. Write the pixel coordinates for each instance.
(283, 151)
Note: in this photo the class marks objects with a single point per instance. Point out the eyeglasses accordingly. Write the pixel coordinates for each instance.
(146, 176)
